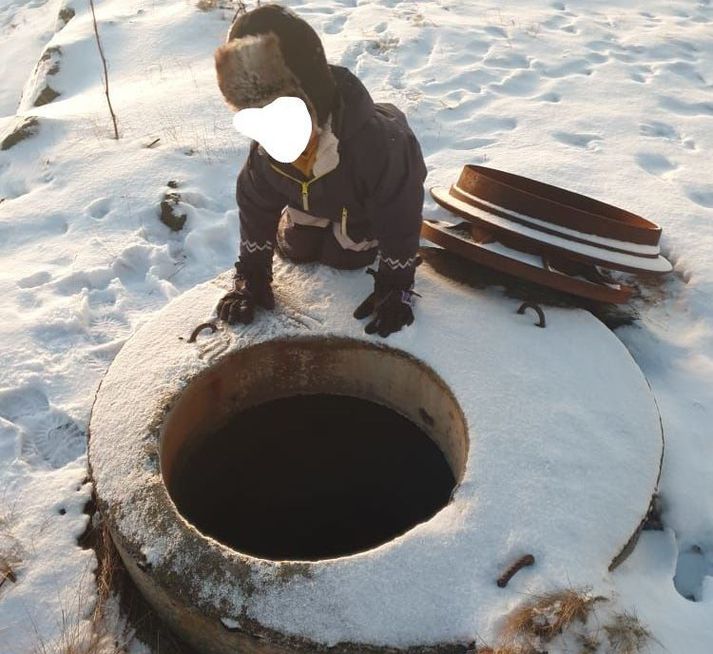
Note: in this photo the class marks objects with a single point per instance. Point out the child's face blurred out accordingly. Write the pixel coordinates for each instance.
(284, 127)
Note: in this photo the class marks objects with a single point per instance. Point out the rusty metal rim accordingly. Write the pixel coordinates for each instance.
(557, 205)
(436, 232)
(623, 247)
(605, 257)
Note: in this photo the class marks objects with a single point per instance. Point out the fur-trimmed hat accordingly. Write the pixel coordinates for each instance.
(271, 52)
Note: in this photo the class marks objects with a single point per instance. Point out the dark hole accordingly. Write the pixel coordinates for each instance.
(311, 477)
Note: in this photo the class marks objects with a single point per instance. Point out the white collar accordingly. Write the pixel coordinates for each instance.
(327, 156)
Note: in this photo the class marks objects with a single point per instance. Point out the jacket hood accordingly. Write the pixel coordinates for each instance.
(353, 106)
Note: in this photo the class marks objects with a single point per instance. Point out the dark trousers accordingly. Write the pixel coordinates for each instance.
(305, 243)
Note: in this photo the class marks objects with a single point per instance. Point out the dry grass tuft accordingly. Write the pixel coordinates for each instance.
(10, 551)
(626, 634)
(6, 571)
(138, 619)
(100, 632)
(548, 616)
(108, 568)
(561, 620)
(119, 615)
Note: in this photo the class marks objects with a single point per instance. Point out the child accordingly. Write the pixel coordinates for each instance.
(354, 193)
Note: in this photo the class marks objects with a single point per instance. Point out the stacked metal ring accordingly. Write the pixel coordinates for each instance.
(545, 234)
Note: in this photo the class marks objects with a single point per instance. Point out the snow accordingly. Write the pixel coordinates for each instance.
(609, 99)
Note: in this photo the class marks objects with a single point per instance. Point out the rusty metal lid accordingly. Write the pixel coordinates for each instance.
(528, 266)
(554, 219)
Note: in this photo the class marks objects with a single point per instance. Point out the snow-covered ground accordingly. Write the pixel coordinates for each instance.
(611, 99)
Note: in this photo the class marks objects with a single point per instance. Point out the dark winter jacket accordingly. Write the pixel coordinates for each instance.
(376, 189)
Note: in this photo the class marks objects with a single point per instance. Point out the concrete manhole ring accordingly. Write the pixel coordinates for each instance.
(552, 436)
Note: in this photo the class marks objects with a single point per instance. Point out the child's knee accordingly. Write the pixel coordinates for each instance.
(334, 255)
(299, 243)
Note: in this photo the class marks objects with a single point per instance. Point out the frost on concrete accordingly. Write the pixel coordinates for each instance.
(564, 439)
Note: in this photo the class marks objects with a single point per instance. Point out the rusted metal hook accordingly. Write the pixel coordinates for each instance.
(535, 307)
(204, 325)
(522, 562)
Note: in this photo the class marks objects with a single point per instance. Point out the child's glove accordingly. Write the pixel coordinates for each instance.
(250, 289)
(391, 303)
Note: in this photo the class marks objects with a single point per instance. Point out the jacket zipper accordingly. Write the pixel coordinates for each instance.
(344, 221)
(303, 184)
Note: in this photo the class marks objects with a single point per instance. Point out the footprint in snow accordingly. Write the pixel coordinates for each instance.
(55, 441)
(34, 280)
(75, 281)
(701, 195)
(584, 141)
(661, 130)
(21, 402)
(396, 80)
(600, 45)
(693, 565)
(655, 164)
(10, 439)
(568, 68)
(492, 30)
(686, 70)
(445, 88)
(99, 208)
(523, 83)
(13, 187)
(334, 25)
(683, 108)
(641, 73)
(554, 22)
(351, 54)
(658, 129)
(487, 124)
(561, 23)
(596, 58)
(48, 436)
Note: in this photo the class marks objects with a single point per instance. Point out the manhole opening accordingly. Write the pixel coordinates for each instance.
(312, 449)
(312, 477)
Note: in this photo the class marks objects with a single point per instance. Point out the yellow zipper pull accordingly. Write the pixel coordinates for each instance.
(344, 221)
(305, 195)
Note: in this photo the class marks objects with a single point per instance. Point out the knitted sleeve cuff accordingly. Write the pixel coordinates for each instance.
(398, 272)
(256, 262)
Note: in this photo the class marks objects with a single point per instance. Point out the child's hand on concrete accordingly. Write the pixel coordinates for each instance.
(249, 291)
